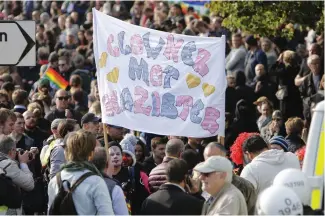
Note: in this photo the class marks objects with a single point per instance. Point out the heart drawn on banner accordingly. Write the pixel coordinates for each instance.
(192, 80)
(208, 89)
(102, 60)
(113, 75)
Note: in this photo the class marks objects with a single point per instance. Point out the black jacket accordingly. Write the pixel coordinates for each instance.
(307, 90)
(244, 122)
(294, 142)
(171, 200)
(133, 187)
(148, 164)
(54, 114)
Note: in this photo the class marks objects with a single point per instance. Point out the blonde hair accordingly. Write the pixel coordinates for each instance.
(288, 56)
(79, 146)
(36, 109)
(294, 125)
(95, 108)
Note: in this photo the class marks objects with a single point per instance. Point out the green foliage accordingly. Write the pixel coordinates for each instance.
(266, 18)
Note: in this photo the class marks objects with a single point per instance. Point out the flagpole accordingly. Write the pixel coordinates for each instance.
(106, 145)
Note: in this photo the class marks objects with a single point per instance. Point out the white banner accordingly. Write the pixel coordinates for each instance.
(159, 82)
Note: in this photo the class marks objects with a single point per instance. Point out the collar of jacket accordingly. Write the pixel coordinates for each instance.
(218, 194)
(207, 207)
(168, 158)
(169, 185)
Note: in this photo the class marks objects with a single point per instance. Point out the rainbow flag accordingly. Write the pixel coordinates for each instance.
(54, 77)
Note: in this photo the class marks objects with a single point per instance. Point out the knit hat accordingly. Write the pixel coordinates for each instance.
(279, 140)
(128, 146)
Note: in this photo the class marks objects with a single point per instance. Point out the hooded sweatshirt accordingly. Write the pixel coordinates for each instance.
(262, 169)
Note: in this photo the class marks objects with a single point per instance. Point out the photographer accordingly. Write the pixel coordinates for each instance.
(33, 201)
(13, 176)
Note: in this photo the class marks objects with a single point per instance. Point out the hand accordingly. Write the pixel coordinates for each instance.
(195, 186)
(23, 158)
(258, 86)
(34, 150)
(68, 114)
(274, 127)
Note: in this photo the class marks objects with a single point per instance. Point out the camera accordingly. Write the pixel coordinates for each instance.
(21, 151)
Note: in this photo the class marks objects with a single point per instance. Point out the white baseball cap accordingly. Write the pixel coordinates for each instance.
(297, 181)
(279, 200)
(214, 164)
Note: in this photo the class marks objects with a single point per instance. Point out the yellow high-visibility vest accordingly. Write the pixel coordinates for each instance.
(45, 159)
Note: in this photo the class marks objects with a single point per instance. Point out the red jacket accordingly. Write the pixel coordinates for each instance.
(158, 176)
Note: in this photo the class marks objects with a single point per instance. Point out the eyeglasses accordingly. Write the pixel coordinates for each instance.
(63, 98)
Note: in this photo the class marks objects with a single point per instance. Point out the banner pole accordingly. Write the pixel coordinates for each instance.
(106, 144)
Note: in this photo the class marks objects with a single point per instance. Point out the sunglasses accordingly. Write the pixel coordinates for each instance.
(63, 98)
(276, 119)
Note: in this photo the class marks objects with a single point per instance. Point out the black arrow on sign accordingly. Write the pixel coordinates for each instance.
(29, 40)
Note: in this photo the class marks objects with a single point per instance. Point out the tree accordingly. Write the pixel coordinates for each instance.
(269, 18)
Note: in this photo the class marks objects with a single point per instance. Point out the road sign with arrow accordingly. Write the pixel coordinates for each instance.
(17, 43)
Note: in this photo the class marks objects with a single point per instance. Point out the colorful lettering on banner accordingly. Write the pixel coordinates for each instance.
(186, 101)
(152, 52)
(127, 49)
(138, 70)
(195, 112)
(186, 54)
(155, 104)
(138, 104)
(200, 62)
(158, 82)
(110, 102)
(156, 75)
(112, 51)
(126, 100)
(168, 108)
(171, 51)
(137, 44)
(170, 72)
(209, 122)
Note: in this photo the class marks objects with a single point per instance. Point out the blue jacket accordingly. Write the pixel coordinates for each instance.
(258, 57)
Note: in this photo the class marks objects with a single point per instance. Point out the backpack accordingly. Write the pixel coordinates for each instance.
(10, 195)
(63, 202)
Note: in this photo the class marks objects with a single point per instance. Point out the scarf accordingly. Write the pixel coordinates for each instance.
(79, 166)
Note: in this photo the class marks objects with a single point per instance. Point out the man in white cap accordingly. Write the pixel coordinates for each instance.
(245, 187)
(216, 176)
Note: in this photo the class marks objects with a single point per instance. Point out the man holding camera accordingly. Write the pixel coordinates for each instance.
(13, 176)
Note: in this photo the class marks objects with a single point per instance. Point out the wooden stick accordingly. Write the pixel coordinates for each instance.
(106, 139)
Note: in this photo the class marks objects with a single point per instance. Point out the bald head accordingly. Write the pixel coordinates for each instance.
(214, 149)
(174, 148)
(61, 93)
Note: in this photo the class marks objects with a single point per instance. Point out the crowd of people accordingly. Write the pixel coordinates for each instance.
(53, 155)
